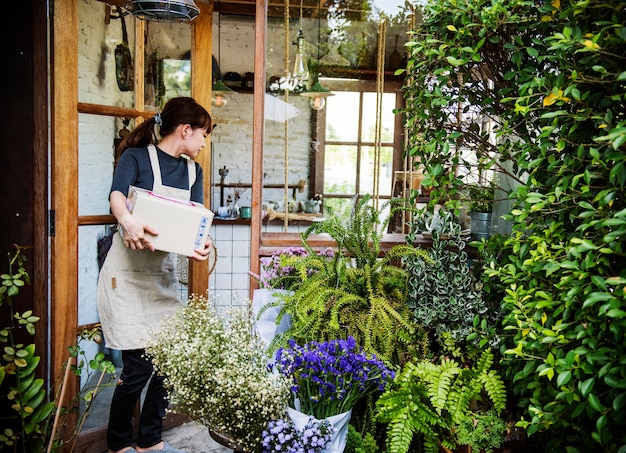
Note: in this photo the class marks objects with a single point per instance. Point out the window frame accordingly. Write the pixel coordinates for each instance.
(318, 132)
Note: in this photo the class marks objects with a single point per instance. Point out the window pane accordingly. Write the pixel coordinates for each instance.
(167, 68)
(342, 117)
(106, 54)
(368, 126)
(367, 171)
(340, 207)
(96, 153)
(340, 169)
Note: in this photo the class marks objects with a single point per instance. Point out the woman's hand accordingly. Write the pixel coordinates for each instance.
(134, 233)
(203, 254)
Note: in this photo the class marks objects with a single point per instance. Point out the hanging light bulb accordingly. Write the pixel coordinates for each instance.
(300, 69)
(218, 91)
(318, 95)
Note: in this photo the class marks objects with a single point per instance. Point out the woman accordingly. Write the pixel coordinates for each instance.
(138, 286)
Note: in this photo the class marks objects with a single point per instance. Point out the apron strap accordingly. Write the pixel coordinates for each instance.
(191, 170)
(156, 169)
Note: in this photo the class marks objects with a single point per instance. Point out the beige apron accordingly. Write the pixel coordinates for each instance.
(138, 288)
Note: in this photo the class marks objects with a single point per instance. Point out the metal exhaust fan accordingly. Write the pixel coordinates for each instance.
(164, 10)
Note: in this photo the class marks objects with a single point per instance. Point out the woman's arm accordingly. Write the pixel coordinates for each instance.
(133, 232)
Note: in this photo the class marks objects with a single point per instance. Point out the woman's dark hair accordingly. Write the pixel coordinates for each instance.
(180, 110)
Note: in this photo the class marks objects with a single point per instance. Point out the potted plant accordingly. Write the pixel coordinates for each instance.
(327, 380)
(283, 435)
(430, 401)
(446, 292)
(358, 291)
(34, 421)
(216, 372)
(481, 198)
(277, 276)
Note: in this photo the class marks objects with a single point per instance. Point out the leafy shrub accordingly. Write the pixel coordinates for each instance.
(358, 292)
(445, 294)
(36, 419)
(550, 77)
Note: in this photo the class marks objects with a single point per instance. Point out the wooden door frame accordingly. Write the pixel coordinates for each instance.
(64, 140)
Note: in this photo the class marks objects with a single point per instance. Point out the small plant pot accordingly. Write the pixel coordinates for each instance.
(481, 225)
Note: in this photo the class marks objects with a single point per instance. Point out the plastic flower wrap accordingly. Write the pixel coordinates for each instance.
(216, 371)
(278, 271)
(282, 435)
(329, 378)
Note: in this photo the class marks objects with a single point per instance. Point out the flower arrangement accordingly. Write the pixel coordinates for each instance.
(216, 371)
(282, 435)
(278, 271)
(329, 378)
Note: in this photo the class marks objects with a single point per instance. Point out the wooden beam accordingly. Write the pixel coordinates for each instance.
(112, 110)
(258, 138)
(64, 190)
(202, 58)
(114, 2)
(40, 190)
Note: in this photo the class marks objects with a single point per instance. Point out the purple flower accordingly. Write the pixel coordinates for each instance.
(278, 271)
(330, 377)
(282, 435)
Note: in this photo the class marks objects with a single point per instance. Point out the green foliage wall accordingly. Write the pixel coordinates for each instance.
(551, 76)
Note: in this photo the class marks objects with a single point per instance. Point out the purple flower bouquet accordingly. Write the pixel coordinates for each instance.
(284, 436)
(329, 378)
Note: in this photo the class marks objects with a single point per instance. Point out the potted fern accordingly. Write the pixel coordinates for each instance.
(430, 403)
(357, 291)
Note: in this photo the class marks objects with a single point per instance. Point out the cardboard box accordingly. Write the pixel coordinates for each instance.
(183, 226)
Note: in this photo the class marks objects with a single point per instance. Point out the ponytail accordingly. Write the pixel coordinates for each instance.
(141, 135)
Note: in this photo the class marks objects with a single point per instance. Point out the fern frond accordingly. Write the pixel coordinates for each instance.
(494, 386)
(485, 362)
(459, 400)
(400, 434)
(440, 383)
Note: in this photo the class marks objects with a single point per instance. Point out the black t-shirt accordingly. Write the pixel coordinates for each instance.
(134, 169)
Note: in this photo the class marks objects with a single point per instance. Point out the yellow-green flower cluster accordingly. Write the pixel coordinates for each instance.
(216, 371)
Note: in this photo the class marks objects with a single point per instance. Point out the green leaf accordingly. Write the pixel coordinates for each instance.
(595, 403)
(563, 378)
(615, 381)
(586, 386)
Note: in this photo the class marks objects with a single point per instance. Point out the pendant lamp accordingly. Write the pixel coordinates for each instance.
(164, 10)
(317, 92)
(318, 95)
(300, 69)
(218, 91)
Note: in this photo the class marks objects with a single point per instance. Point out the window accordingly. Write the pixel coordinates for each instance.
(348, 134)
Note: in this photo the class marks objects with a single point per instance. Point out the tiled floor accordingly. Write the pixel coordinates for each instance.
(193, 438)
(189, 437)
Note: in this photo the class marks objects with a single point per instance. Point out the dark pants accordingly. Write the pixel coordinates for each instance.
(136, 373)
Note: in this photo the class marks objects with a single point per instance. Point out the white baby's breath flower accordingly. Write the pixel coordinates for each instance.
(216, 371)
